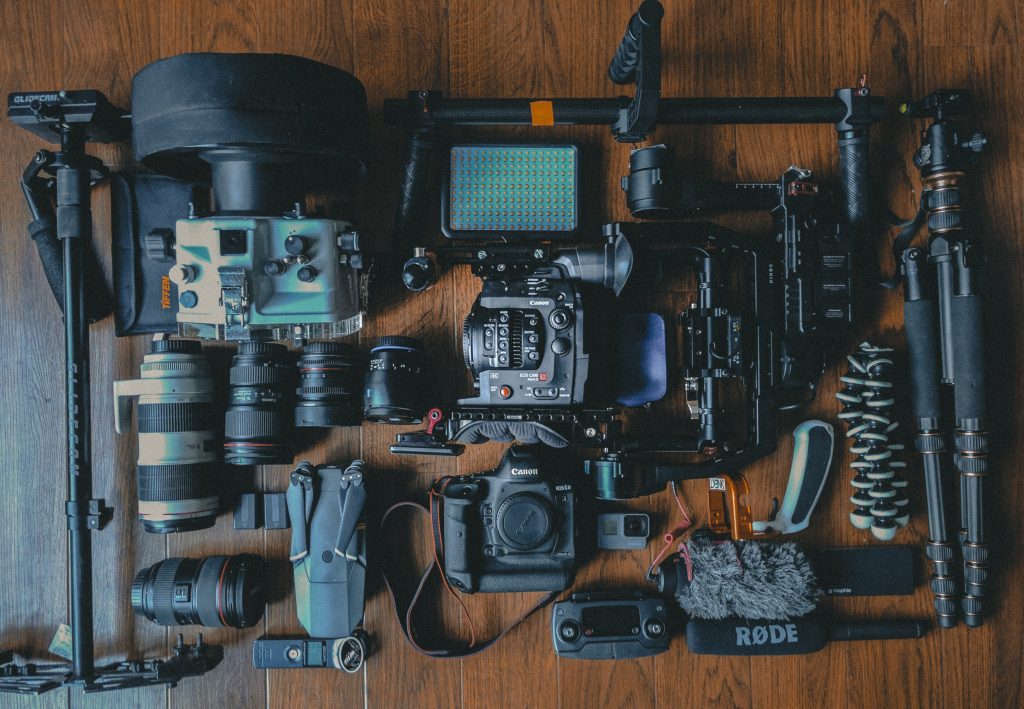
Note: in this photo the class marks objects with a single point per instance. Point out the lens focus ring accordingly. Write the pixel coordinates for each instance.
(177, 417)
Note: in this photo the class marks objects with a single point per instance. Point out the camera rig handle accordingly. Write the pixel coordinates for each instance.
(638, 60)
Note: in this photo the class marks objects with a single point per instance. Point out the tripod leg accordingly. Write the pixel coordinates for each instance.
(923, 351)
(970, 436)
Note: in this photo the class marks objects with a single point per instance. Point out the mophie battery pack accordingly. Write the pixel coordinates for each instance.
(865, 571)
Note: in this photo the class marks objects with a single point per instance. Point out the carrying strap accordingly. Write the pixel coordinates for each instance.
(404, 611)
(907, 229)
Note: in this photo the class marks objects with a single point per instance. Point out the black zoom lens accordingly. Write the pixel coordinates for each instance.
(257, 422)
(396, 381)
(215, 591)
(330, 386)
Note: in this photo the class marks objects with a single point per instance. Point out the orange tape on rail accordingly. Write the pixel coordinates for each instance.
(542, 113)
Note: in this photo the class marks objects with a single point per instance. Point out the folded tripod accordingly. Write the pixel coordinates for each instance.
(951, 353)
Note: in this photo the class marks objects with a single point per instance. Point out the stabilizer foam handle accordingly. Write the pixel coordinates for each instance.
(922, 350)
(968, 357)
(853, 176)
(415, 181)
(98, 301)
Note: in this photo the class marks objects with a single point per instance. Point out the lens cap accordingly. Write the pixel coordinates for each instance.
(524, 521)
(175, 345)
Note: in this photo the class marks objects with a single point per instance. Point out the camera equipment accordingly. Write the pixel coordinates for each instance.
(947, 151)
(72, 119)
(637, 60)
(728, 496)
(144, 208)
(507, 530)
(510, 529)
(330, 379)
(215, 591)
(755, 580)
(880, 501)
(397, 381)
(865, 571)
(261, 128)
(794, 636)
(257, 421)
(768, 337)
(179, 437)
(623, 530)
(347, 654)
(328, 551)
(526, 344)
(268, 510)
(609, 626)
(497, 191)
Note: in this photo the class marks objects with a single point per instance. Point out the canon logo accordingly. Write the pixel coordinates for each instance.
(766, 634)
(525, 471)
(540, 302)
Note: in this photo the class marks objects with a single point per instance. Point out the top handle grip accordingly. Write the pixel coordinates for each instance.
(622, 69)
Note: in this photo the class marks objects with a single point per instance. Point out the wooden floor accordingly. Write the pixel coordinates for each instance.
(521, 48)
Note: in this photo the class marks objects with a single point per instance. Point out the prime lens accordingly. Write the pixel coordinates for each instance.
(258, 419)
(179, 437)
(330, 386)
(396, 381)
(215, 591)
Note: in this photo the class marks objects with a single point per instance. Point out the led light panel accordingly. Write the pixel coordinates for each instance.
(524, 189)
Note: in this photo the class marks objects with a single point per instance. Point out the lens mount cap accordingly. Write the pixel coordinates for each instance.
(176, 346)
(524, 521)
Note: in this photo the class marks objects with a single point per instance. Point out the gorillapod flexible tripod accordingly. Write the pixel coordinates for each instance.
(72, 118)
(953, 354)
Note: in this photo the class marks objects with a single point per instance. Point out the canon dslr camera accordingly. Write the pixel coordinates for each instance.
(510, 529)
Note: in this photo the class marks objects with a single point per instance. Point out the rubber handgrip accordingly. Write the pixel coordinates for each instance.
(415, 181)
(98, 303)
(853, 178)
(51, 255)
(968, 357)
(922, 350)
(878, 630)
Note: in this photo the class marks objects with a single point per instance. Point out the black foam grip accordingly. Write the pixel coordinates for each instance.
(415, 179)
(853, 176)
(622, 68)
(51, 254)
(968, 358)
(922, 350)
(98, 301)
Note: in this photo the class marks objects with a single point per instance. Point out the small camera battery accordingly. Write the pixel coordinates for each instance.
(246, 513)
(275, 511)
